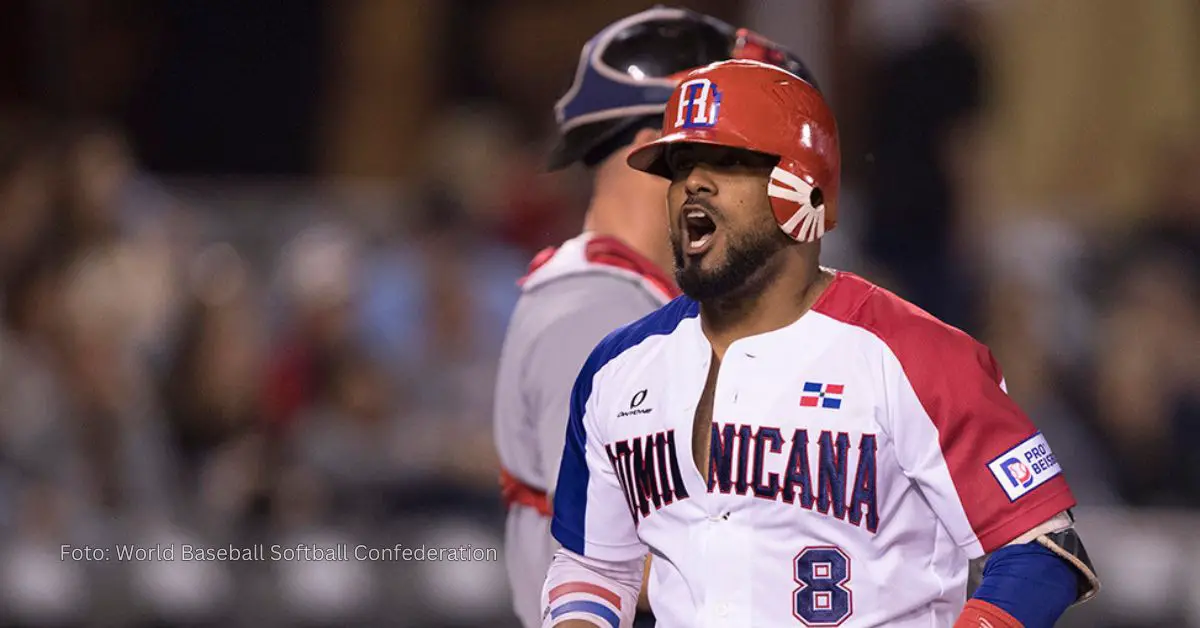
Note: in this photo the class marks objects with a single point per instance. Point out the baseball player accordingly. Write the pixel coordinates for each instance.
(794, 445)
(616, 271)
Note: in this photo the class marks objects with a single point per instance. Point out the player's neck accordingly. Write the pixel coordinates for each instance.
(777, 300)
(609, 216)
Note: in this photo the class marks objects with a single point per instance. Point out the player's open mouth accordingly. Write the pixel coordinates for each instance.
(700, 230)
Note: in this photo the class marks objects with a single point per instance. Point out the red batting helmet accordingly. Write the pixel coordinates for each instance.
(760, 107)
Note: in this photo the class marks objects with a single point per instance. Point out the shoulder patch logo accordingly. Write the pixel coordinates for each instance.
(1025, 467)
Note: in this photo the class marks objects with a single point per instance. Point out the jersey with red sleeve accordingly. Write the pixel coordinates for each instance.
(860, 457)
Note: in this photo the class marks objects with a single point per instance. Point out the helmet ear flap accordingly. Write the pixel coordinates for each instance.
(797, 204)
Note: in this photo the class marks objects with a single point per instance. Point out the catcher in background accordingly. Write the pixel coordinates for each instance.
(613, 273)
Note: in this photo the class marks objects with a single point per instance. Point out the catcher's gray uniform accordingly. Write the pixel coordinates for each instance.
(573, 297)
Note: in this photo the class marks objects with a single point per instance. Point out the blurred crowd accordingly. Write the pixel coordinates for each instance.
(156, 382)
(175, 367)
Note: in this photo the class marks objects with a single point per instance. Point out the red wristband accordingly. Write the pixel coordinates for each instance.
(980, 614)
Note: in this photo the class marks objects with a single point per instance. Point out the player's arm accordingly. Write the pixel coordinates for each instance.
(561, 350)
(582, 593)
(596, 575)
(990, 476)
(1033, 579)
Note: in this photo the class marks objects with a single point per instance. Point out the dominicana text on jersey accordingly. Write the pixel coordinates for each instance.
(649, 473)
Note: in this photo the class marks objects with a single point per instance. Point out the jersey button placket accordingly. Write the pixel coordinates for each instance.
(725, 550)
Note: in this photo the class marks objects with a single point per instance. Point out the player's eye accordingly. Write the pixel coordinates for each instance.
(726, 160)
(681, 162)
(743, 159)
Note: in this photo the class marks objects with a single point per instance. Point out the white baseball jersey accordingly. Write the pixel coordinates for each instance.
(860, 457)
(573, 296)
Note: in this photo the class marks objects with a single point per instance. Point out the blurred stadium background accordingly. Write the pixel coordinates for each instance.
(256, 260)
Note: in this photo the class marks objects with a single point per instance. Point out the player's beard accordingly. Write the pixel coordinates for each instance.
(739, 273)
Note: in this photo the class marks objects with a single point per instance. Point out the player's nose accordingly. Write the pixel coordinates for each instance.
(700, 182)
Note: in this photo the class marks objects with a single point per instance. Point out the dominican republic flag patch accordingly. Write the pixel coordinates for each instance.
(821, 395)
